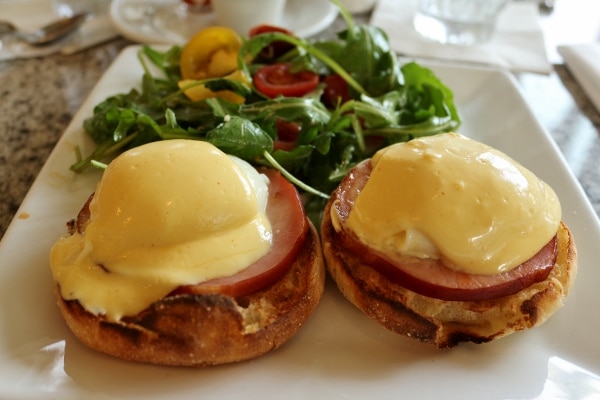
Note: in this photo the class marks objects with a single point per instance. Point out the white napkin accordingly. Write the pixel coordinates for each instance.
(583, 60)
(28, 15)
(517, 45)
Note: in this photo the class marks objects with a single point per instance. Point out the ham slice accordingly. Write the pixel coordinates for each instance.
(289, 226)
(431, 277)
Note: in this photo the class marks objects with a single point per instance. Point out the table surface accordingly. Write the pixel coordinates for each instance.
(41, 95)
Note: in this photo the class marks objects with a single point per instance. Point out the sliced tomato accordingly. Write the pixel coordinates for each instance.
(336, 91)
(277, 80)
(431, 277)
(289, 226)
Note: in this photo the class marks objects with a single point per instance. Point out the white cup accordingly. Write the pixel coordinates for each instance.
(242, 15)
(68, 8)
(459, 22)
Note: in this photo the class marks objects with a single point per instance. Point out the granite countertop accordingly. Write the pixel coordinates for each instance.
(41, 95)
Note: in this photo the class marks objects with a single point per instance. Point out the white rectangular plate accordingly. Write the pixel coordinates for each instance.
(339, 353)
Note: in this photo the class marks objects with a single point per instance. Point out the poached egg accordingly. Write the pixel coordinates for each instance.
(452, 198)
(165, 214)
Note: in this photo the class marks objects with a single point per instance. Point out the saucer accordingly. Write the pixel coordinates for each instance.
(169, 22)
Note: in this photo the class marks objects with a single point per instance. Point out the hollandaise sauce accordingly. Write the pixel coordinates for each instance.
(452, 198)
(165, 214)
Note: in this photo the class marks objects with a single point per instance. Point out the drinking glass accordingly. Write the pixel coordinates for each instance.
(458, 22)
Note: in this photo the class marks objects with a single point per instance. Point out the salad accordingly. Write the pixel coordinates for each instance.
(310, 108)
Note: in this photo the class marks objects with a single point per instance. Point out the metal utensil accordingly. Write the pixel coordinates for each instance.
(46, 34)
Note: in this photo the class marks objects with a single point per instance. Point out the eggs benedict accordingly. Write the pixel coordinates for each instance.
(184, 256)
(445, 240)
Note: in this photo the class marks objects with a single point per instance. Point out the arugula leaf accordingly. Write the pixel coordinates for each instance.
(306, 110)
(427, 90)
(240, 137)
(390, 103)
(167, 62)
(365, 54)
(253, 47)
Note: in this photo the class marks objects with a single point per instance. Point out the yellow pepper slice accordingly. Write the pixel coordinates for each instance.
(210, 53)
(201, 92)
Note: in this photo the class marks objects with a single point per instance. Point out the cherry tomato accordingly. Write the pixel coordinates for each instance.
(274, 49)
(210, 53)
(283, 145)
(287, 130)
(197, 5)
(276, 79)
(336, 90)
(265, 28)
(287, 135)
(197, 2)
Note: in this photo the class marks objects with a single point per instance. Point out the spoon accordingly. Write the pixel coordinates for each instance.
(46, 34)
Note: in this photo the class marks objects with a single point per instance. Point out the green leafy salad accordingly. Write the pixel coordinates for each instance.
(362, 100)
